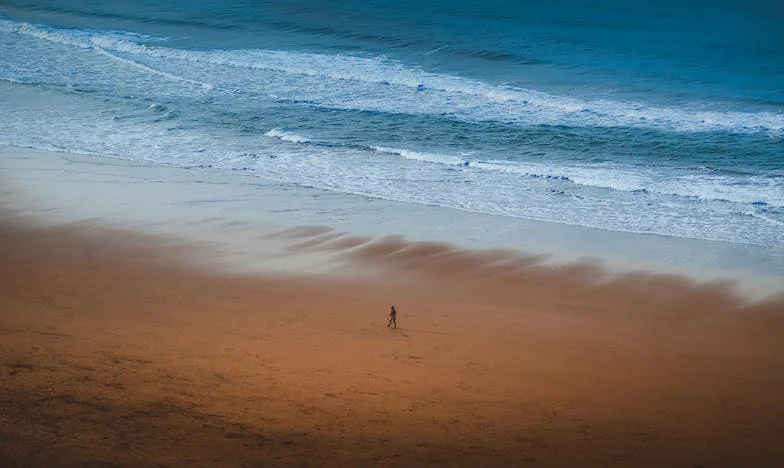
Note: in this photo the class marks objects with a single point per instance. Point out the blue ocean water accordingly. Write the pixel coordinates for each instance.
(653, 117)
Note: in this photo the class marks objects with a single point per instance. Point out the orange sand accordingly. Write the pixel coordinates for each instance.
(116, 354)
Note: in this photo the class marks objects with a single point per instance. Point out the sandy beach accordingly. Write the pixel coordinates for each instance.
(209, 209)
(119, 352)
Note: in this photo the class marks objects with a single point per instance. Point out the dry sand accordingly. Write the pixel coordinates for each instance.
(116, 353)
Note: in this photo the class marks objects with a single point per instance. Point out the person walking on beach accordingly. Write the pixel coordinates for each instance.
(392, 317)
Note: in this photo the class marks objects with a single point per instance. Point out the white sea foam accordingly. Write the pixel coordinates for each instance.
(286, 136)
(101, 42)
(424, 157)
(152, 70)
(622, 178)
(415, 91)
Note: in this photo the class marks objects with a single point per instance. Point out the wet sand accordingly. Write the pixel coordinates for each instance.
(117, 351)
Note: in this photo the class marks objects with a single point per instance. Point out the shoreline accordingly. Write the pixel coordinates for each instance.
(235, 216)
(119, 350)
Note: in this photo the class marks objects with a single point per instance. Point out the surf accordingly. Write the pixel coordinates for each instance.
(391, 86)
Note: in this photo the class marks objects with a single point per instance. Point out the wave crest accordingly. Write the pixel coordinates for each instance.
(381, 84)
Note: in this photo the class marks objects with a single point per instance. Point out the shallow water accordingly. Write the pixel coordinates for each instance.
(659, 119)
(232, 221)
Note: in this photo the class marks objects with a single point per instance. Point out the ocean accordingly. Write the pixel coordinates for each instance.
(662, 118)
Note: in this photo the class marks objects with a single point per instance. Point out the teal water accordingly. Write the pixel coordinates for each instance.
(651, 117)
